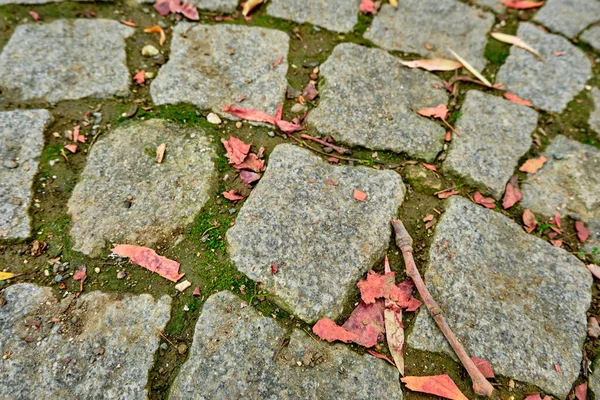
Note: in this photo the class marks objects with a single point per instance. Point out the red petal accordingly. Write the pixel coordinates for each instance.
(328, 330)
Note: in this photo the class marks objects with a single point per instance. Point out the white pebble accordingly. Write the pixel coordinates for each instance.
(213, 118)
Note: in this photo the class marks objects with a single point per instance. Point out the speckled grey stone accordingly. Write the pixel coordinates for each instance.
(568, 17)
(495, 134)
(323, 239)
(66, 60)
(6, 2)
(594, 379)
(125, 196)
(510, 297)
(224, 6)
(548, 84)
(212, 66)
(238, 354)
(21, 144)
(369, 99)
(106, 355)
(592, 36)
(494, 5)
(335, 15)
(439, 23)
(594, 120)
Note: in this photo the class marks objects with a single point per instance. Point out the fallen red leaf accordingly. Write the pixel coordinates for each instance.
(446, 194)
(328, 330)
(581, 391)
(394, 329)
(369, 6)
(310, 91)
(140, 77)
(34, 15)
(248, 176)
(249, 114)
(522, 5)
(484, 367)
(439, 111)
(512, 195)
(557, 219)
(129, 23)
(163, 7)
(413, 304)
(360, 196)
(274, 268)
(80, 274)
(147, 258)
(430, 167)
(594, 269)
(366, 321)
(188, 10)
(535, 396)
(237, 151)
(439, 385)
(288, 127)
(71, 147)
(531, 166)
(516, 99)
(382, 286)
(380, 356)
(487, 202)
(278, 61)
(529, 221)
(252, 162)
(557, 368)
(196, 291)
(557, 242)
(76, 136)
(582, 232)
(231, 195)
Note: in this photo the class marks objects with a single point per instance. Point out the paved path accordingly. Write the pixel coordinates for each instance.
(110, 136)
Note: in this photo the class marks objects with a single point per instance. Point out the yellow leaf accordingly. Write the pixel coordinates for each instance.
(249, 6)
(157, 29)
(433, 64)
(6, 275)
(510, 39)
(394, 3)
(470, 68)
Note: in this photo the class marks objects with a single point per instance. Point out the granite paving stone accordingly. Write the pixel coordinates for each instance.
(224, 6)
(212, 66)
(592, 36)
(370, 99)
(105, 354)
(568, 17)
(125, 196)
(550, 83)
(66, 60)
(21, 144)
(495, 5)
(302, 216)
(335, 15)
(429, 27)
(594, 119)
(7, 2)
(495, 134)
(237, 353)
(510, 297)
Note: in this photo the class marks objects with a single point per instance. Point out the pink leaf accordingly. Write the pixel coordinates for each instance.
(533, 165)
(439, 111)
(328, 330)
(512, 195)
(516, 99)
(34, 15)
(439, 385)
(523, 4)
(278, 61)
(288, 127)
(252, 162)
(487, 202)
(430, 167)
(382, 286)
(484, 367)
(360, 196)
(140, 77)
(369, 6)
(366, 321)
(163, 7)
(594, 269)
(147, 258)
(237, 151)
(582, 232)
(231, 195)
(71, 147)
(80, 274)
(581, 391)
(445, 194)
(529, 221)
(248, 177)
(249, 114)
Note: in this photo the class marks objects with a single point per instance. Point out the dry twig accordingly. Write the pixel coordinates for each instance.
(338, 149)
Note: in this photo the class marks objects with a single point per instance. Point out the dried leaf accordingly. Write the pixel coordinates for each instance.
(288, 127)
(160, 152)
(556, 219)
(439, 385)
(249, 114)
(278, 61)
(439, 111)
(430, 167)
(487, 202)
(581, 391)
(380, 356)
(182, 286)
(366, 321)
(34, 15)
(369, 6)
(535, 396)
(328, 330)
(249, 5)
(248, 176)
(484, 367)
(188, 10)
(512, 195)
(470, 68)
(413, 304)
(529, 221)
(80, 274)
(532, 165)
(237, 151)
(129, 23)
(231, 195)
(394, 333)
(157, 29)
(252, 162)
(163, 7)
(360, 196)
(71, 147)
(594, 269)
(523, 4)
(582, 232)
(140, 77)
(433, 64)
(310, 91)
(274, 268)
(6, 275)
(515, 40)
(516, 99)
(557, 242)
(147, 258)
(382, 286)
(446, 194)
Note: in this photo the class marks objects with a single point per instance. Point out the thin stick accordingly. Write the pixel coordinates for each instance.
(328, 155)
(163, 336)
(338, 149)
(480, 385)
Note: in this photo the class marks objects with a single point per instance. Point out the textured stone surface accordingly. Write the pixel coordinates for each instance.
(335, 15)
(495, 134)
(106, 354)
(125, 196)
(594, 379)
(439, 23)
(6, 2)
(592, 36)
(369, 99)
(321, 237)
(568, 17)
(66, 60)
(21, 144)
(237, 354)
(548, 84)
(495, 5)
(211, 66)
(225, 6)
(594, 120)
(511, 298)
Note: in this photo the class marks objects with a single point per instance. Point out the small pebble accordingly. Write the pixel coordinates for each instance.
(327, 149)
(186, 308)
(149, 51)
(164, 346)
(558, 156)
(58, 278)
(97, 270)
(271, 134)
(232, 211)
(182, 348)
(213, 119)
(298, 108)
(46, 272)
(121, 274)
(74, 320)
(10, 164)
(238, 124)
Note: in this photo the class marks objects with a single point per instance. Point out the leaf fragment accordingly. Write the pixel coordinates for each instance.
(470, 68)
(532, 165)
(433, 64)
(34, 15)
(484, 367)
(147, 258)
(440, 111)
(593, 268)
(366, 321)
(380, 356)
(430, 167)
(359, 195)
(439, 385)
(522, 4)
(250, 5)
(129, 23)
(369, 6)
(517, 41)
(157, 29)
(232, 195)
(248, 176)
(447, 193)
(71, 147)
(516, 99)
(487, 202)
(581, 391)
(328, 330)
(160, 152)
(582, 232)
(140, 77)
(6, 275)
(237, 151)
(512, 195)
(529, 221)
